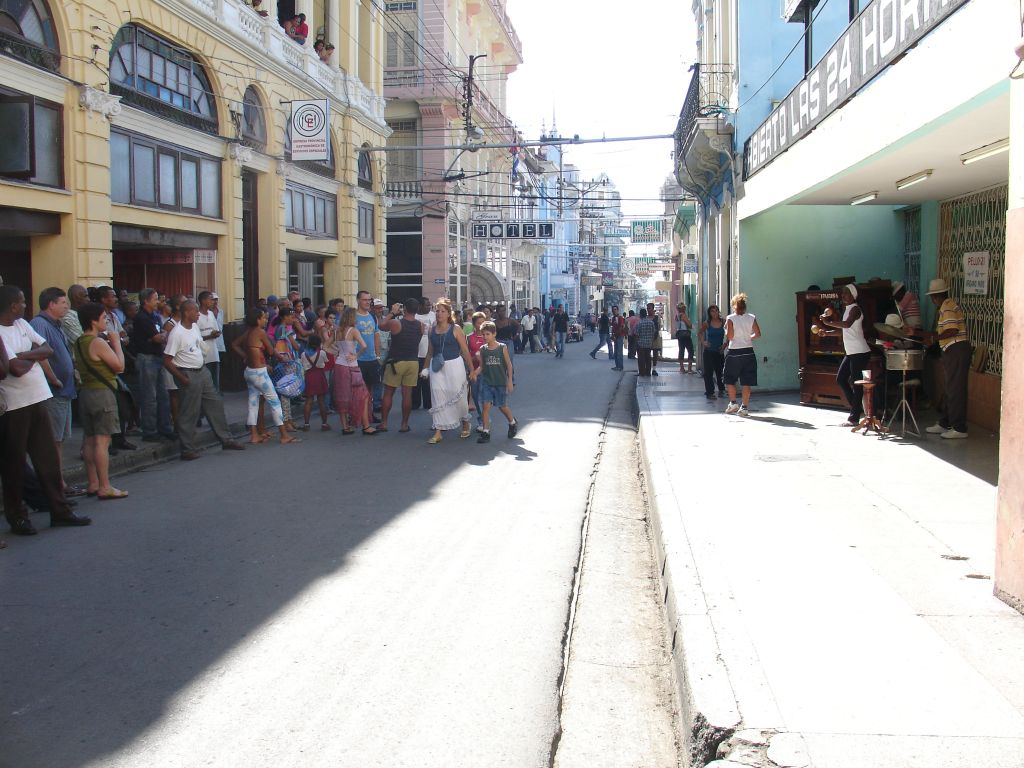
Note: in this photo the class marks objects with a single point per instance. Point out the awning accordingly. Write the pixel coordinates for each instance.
(486, 285)
(686, 217)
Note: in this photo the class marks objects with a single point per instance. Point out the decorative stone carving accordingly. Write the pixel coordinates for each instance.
(720, 142)
(240, 153)
(94, 100)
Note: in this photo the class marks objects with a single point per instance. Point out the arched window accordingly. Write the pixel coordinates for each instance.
(365, 170)
(254, 125)
(151, 73)
(27, 33)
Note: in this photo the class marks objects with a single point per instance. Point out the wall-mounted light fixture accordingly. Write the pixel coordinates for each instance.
(914, 179)
(986, 151)
(867, 197)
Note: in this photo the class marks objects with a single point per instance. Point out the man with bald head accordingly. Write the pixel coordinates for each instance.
(184, 360)
(77, 297)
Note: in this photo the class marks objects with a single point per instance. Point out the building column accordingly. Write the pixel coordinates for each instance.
(435, 219)
(1009, 570)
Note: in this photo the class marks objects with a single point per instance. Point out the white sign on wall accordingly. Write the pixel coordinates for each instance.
(310, 123)
(976, 273)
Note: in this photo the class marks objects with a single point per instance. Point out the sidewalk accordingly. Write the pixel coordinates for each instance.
(236, 406)
(829, 593)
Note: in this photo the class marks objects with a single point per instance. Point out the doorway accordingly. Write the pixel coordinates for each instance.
(250, 241)
(306, 275)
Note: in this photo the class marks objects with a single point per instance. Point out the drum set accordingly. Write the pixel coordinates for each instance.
(904, 361)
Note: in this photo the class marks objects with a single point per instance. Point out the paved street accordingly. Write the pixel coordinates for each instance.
(351, 601)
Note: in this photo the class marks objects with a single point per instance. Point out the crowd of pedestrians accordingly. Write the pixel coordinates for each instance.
(151, 368)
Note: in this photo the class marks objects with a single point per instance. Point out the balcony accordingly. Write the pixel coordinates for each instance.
(703, 135)
(403, 190)
(262, 38)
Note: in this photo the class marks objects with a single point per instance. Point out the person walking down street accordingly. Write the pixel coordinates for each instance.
(741, 329)
(547, 342)
(402, 367)
(474, 342)
(447, 367)
(147, 342)
(287, 344)
(427, 316)
(712, 338)
(98, 358)
(603, 337)
(618, 331)
(315, 364)
(656, 344)
(494, 373)
(530, 331)
(184, 360)
(684, 337)
(255, 348)
(560, 327)
(25, 429)
(951, 335)
(645, 331)
(858, 353)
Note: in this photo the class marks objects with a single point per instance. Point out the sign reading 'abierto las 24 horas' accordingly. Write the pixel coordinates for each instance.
(883, 31)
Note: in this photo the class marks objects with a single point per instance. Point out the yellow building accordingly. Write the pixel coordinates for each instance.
(146, 142)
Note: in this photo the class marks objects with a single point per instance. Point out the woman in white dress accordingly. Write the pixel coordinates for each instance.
(448, 374)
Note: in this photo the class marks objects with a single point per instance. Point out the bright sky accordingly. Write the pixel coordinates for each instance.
(606, 69)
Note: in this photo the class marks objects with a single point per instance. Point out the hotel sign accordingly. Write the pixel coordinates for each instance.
(882, 33)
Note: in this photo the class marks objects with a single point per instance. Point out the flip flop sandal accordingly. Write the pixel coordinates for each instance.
(404, 429)
(112, 496)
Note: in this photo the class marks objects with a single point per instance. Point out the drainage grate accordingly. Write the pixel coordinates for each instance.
(954, 557)
(977, 576)
(771, 458)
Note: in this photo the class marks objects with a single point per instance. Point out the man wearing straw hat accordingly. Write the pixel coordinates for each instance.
(951, 333)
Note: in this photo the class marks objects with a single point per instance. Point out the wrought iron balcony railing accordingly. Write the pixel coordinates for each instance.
(708, 95)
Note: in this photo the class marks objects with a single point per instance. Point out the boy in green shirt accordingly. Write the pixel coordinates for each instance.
(496, 385)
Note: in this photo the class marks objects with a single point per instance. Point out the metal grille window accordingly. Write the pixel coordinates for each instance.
(912, 250)
(968, 224)
(365, 233)
(403, 164)
(310, 212)
(401, 36)
(157, 175)
(149, 72)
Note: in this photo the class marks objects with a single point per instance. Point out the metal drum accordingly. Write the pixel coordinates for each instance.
(904, 359)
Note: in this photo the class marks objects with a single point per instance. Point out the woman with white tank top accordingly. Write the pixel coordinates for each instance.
(858, 353)
(741, 329)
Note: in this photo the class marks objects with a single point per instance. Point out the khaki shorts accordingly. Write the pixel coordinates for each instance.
(97, 410)
(401, 373)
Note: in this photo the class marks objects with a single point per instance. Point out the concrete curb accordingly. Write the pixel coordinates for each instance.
(710, 713)
(147, 455)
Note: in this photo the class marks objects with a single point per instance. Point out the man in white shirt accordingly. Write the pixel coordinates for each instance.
(25, 430)
(209, 328)
(184, 360)
(529, 326)
(421, 393)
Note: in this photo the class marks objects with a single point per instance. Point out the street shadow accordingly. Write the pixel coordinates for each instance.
(779, 421)
(103, 628)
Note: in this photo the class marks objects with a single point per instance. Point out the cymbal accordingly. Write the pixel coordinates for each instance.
(890, 330)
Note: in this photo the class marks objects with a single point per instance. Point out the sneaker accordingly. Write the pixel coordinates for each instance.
(593, 355)
(513, 428)
(743, 411)
(952, 434)
(732, 407)
(936, 429)
(485, 437)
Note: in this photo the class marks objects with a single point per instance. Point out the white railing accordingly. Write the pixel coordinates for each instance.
(267, 38)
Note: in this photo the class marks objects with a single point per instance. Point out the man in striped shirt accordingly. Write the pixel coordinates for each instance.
(951, 333)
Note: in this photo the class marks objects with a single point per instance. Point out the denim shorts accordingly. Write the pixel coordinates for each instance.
(59, 409)
(490, 394)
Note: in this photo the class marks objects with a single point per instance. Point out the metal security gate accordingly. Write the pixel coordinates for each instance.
(977, 222)
(912, 250)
